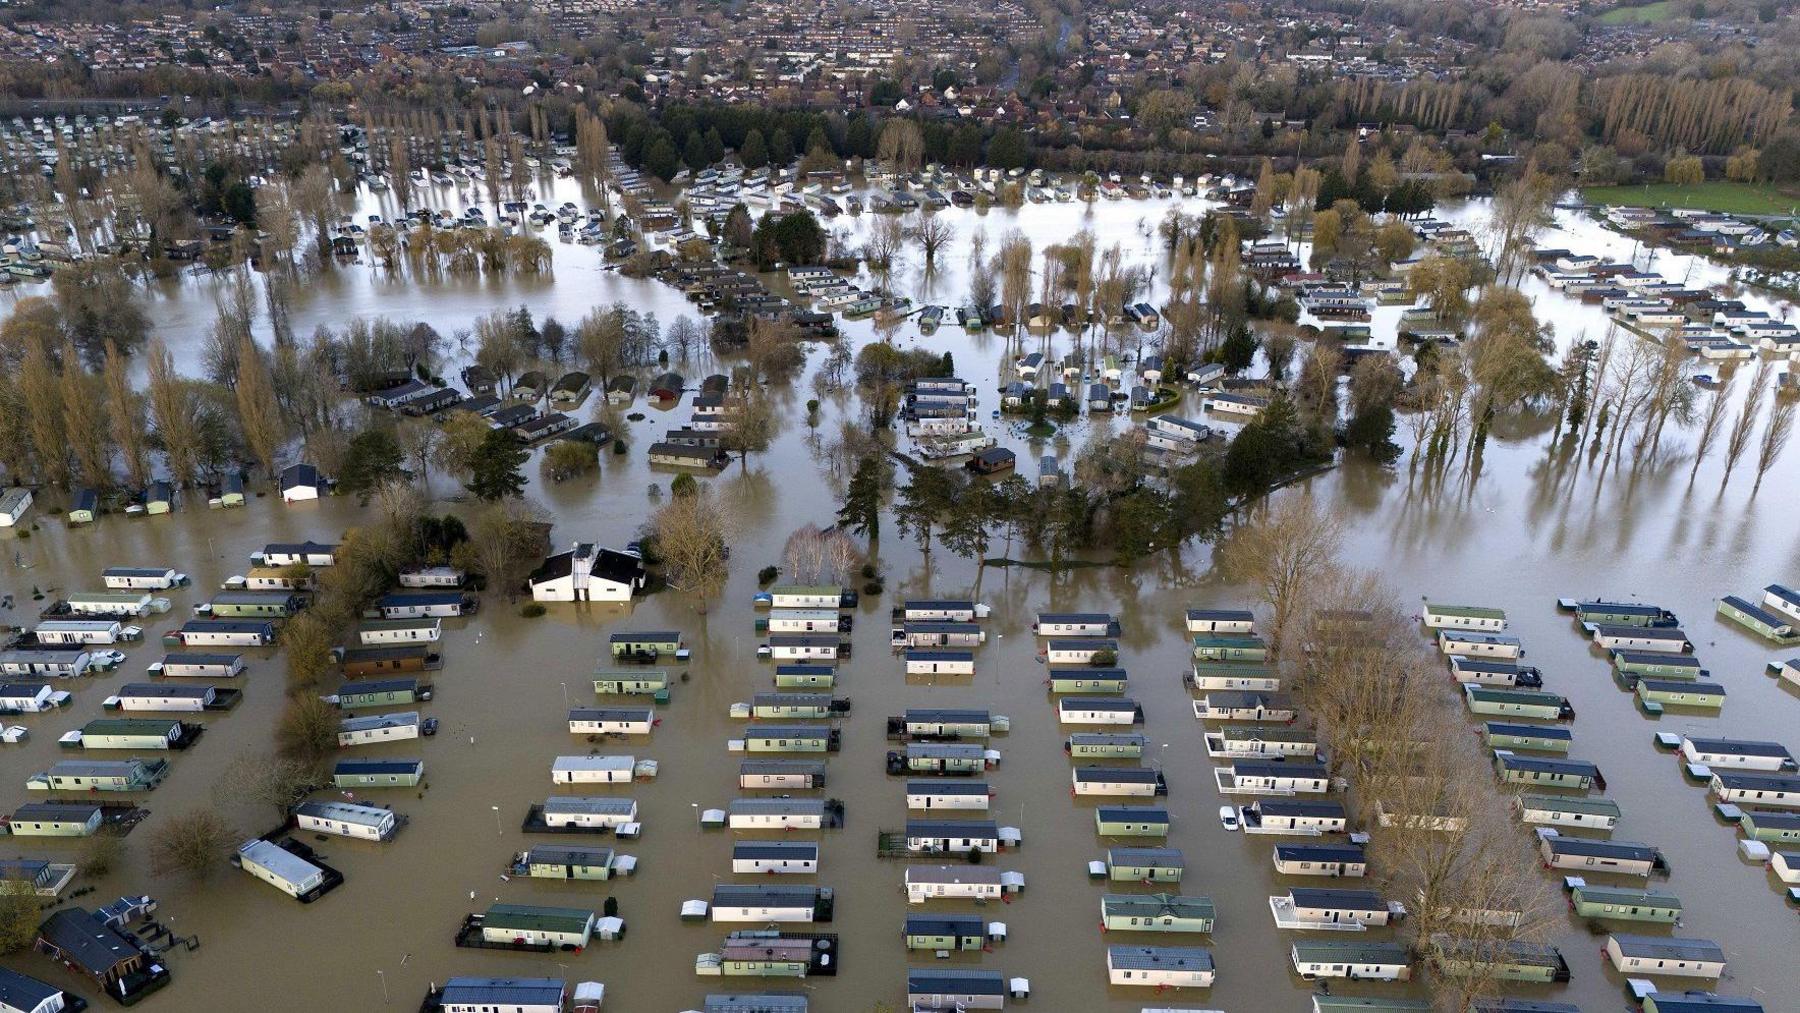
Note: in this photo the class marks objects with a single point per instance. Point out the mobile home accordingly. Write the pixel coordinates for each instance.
(283, 870)
(1075, 624)
(377, 773)
(612, 720)
(952, 988)
(937, 793)
(1658, 639)
(1611, 903)
(1156, 912)
(55, 819)
(1131, 821)
(194, 665)
(956, 837)
(1118, 782)
(1776, 791)
(134, 733)
(54, 664)
(375, 632)
(424, 604)
(921, 661)
(164, 697)
(1360, 961)
(1567, 811)
(783, 775)
(735, 903)
(1737, 754)
(225, 633)
(1160, 967)
(1439, 616)
(799, 858)
(1220, 621)
(1114, 745)
(958, 882)
(1334, 860)
(1665, 956)
(762, 738)
(1622, 858)
(567, 862)
(806, 647)
(1080, 651)
(378, 728)
(944, 932)
(1098, 710)
(1480, 645)
(784, 814)
(1145, 865)
(576, 812)
(593, 770)
(141, 578)
(347, 819)
(79, 632)
(100, 775)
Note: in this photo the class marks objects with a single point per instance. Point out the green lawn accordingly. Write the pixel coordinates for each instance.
(1659, 11)
(1722, 196)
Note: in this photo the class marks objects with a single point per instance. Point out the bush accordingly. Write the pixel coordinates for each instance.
(1105, 659)
(571, 457)
(869, 571)
(620, 448)
(768, 575)
(532, 610)
(872, 588)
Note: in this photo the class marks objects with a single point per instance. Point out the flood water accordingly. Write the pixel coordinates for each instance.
(1533, 524)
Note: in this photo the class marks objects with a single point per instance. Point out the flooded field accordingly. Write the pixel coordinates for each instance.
(1533, 524)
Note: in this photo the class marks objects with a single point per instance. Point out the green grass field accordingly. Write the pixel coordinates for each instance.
(1662, 10)
(1721, 196)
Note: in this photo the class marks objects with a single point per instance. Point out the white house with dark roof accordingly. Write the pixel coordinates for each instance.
(588, 572)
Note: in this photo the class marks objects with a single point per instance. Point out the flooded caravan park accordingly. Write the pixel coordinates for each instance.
(1533, 524)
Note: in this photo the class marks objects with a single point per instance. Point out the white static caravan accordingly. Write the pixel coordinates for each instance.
(593, 769)
(1098, 710)
(1661, 639)
(400, 631)
(792, 858)
(1220, 621)
(1782, 599)
(226, 633)
(782, 775)
(115, 604)
(1078, 650)
(80, 632)
(56, 664)
(612, 720)
(942, 611)
(1665, 956)
(789, 620)
(1117, 782)
(1075, 624)
(1249, 777)
(1160, 967)
(199, 666)
(28, 697)
(804, 647)
(313, 554)
(280, 868)
(1475, 619)
(141, 578)
(943, 793)
(376, 728)
(779, 814)
(14, 504)
(163, 698)
(736, 903)
(1480, 645)
(1775, 791)
(432, 576)
(589, 812)
(798, 597)
(923, 661)
(1229, 675)
(959, 882)
(1736, 754)
(347, 819)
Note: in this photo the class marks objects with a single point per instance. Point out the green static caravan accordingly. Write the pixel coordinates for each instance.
(651, 682)
(1145, 865)
(1230, 647)
(653, 643)
(1322, 1003)
(792, 705)
(799, 676)
(944, 932)
(55, 819)
(1617, 613)
(1538, 738)
(1771, 827)
(1131, 821)
(1567, 811)
(1547, 772)
(1087, 680)
(790, 739)
(1156, 912)
(1114, 745)
(1505, 960)
(557, 861)
(1210, 676)
(100, 775)
(1611, 903)
(1470, 618)
(1519, 703)
(381, 693)
(256, 604)
(134, 733)
(1680, 693)
(1758, 620)
(378, 773)
(939, 758)
(1634, 665)
(534, 925)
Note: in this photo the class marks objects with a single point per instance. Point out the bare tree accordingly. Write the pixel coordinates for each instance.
(1710, 421)
(125, 413)
(1738, 440)
(84, 419)
(41, 387)
(693, 537)
(933, 233)
(1280, 556)
(1775, 436)
(258, 413)
(195, 843)
(257, 778)
(174, 413)
(886, 237)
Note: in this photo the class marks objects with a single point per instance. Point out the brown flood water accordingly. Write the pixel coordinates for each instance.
(1533, 526)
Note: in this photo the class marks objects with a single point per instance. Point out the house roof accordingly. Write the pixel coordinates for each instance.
(296, 475)
(498, 992)
(80, 936)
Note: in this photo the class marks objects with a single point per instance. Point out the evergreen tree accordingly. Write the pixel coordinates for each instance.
(861, 511)
(754, 152)
(494, 470)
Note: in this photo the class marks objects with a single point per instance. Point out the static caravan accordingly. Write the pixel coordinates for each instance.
(1230, 647)
(1656, 639)
(561, 812)
(934, 610)
(941, 635)
(1160, 967)
(1634, 665)
(1098, 710)
(1118, 782)
(1621, 858)
(1611, 903)
(1786, 866)
(377, 773)
(1665, 956)
(29, 697)
(400, 631)
(116, 604)
(1776, 791)
(1220, 621)
(381, 693)
(1761, 621)
(1500, 960)
(936, 794)
(1519, 703)
(1771, 826)
(282, 869)
(1656, 693)
(255, 604)
(277, 578)
(1489, 672)
(804, 677)
(195, 665)
(612, 720)
(378, 728)
(1080, 651)
(100, 775)
(1504, 735)
(1335, 860)
(55, 819)
(1618, 613)
(1255, 742)
(566, 862)
(515, 995)
(781, 775)
(1480, 645)
(959, 882)
(534, 925)
(1075, 624)
(14, 503)
(164, 697)
(1699, 1002)
(1360, 961)
(424, 604)
(942, 758)
(734, 903)
(226, 633)
(1280, 777)
(134, 733)
(806, 647)
(1220, 675)
(55, 664)
(1131, 821)
(952, 988)
(308, 553)
(806, 621)
(1295, 818)
(1737, 754)
(923, 661)
(1547, 772)
(761, 738)
(79, 632)
(1156, 912)
(794, 705)
(798, 858)
(1244, 705)
(946, 723)
(355, 662)
(1087, 680)
(1305, 907)
(593, 770)
(955, 837)
(1145, 865)
(1111, 745)
(652, 682)
(1471, 618)
(141, 578)
(432, 576)
(821, 596)
(347, 819)
(784, 814)
(1567, 811)
(944, 932)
